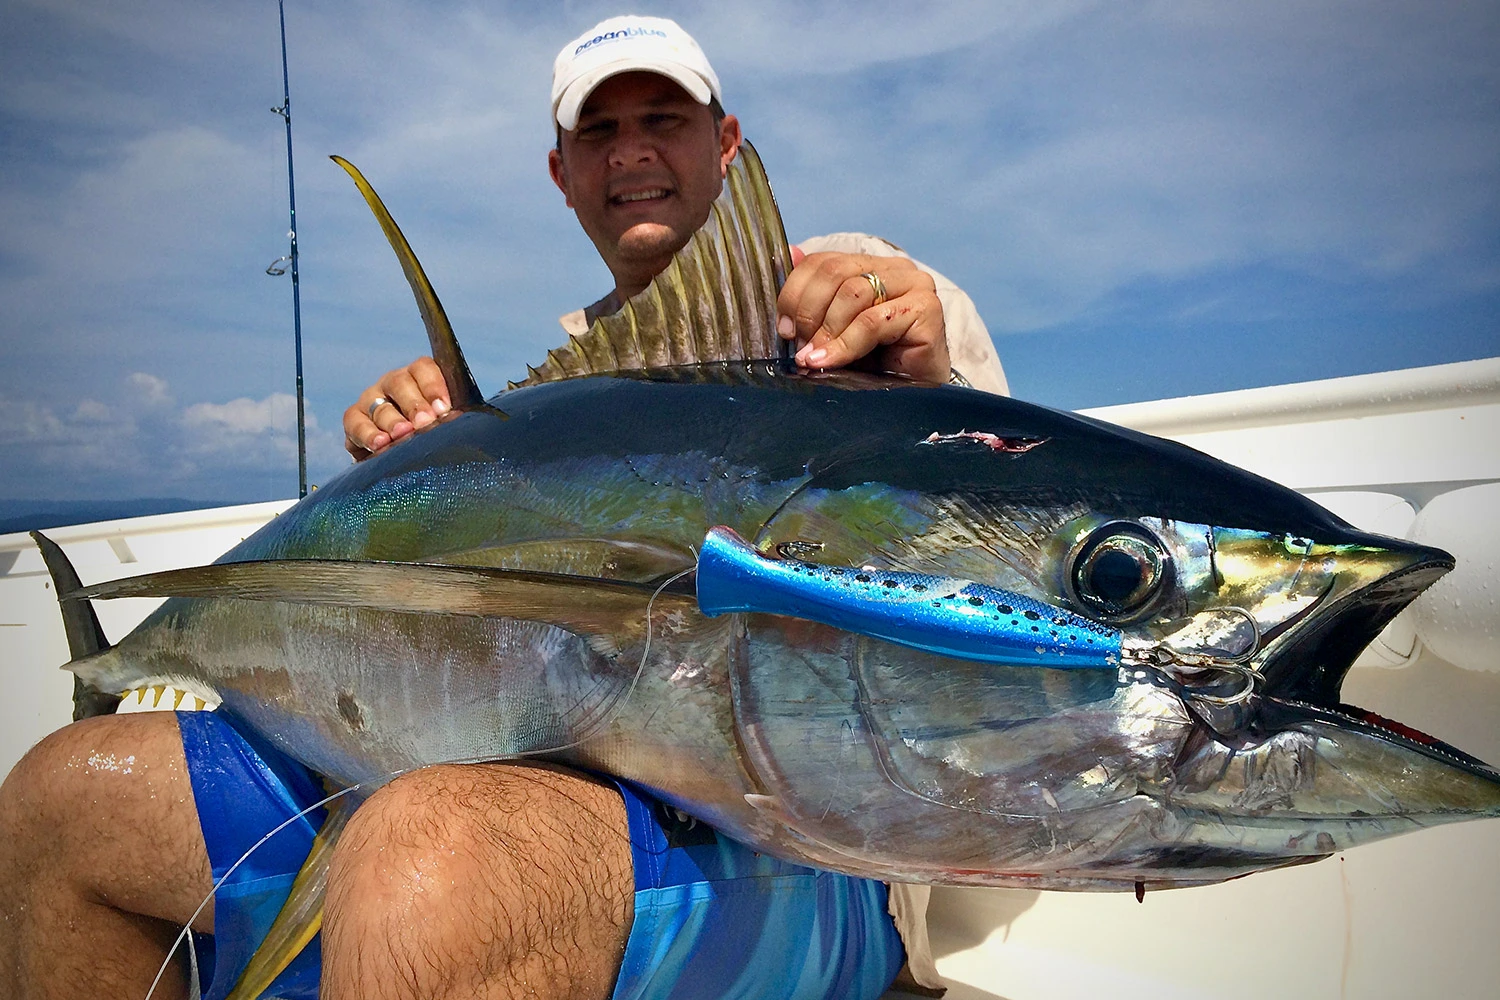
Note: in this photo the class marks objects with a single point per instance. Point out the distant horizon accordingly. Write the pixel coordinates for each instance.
(40, 515)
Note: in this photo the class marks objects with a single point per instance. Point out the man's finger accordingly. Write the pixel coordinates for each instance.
(429, 378)
(407, 403)
(852, 297)
(904, 335)
(785, 326)
(883, 324)
(361, 437)
(408, 398)
(810, 288)
(828, 290)
(922, 352)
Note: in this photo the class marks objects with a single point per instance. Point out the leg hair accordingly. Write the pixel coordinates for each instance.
(492, 881)
(101, 861)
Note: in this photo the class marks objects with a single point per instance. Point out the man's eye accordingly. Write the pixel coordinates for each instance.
(598, 130)
(663, 120)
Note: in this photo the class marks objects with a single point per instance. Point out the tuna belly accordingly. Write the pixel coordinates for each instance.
(360, 695)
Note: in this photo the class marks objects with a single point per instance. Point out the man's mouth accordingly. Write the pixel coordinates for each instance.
(648, 194)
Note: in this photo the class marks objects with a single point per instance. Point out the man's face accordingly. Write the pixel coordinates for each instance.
(641, 170)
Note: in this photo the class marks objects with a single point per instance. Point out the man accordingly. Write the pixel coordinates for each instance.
(479, 880)
(641, 185)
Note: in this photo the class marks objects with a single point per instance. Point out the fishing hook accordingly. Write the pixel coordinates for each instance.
(1176, 666)
(1255, 635)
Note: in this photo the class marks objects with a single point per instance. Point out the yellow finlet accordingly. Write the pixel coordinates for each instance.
(301, 916)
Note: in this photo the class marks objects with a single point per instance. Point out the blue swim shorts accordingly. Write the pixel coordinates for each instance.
(714, 920)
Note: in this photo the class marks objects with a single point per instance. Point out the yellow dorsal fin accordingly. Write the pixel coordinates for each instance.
(716, 301)
(440, 338)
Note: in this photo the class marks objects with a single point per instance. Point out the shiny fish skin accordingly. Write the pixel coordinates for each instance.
(810, 741)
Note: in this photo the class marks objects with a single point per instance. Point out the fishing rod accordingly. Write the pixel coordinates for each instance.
(285, 111)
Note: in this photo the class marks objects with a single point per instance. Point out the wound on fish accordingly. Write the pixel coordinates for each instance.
(1009, 446)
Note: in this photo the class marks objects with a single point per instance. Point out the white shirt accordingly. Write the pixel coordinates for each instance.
(971, 352)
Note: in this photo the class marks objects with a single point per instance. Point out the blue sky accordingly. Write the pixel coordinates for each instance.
(1144, 199)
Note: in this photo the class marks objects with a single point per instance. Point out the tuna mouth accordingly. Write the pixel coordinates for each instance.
(1308, 660)
(1304, 676)
(1282, 714)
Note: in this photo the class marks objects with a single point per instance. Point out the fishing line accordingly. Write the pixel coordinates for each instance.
(614, 710)
(188, 927)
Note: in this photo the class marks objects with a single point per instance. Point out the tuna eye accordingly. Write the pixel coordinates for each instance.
(1119, 572)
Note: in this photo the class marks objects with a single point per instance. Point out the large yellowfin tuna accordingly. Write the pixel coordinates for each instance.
(944, 636)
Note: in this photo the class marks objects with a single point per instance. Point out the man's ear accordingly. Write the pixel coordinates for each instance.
(729, 142)
(559, 174)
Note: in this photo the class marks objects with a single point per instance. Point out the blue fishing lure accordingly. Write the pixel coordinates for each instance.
(943, 615)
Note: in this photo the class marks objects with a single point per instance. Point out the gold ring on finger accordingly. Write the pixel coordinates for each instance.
(376, 404)
(876, 285)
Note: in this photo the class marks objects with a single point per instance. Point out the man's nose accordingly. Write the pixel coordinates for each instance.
(632, 147)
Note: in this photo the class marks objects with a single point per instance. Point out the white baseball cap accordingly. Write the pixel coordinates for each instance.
(626, 44)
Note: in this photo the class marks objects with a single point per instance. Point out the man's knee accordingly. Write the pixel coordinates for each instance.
(102, 806)
(80, 776)
(483, 867)
(504, 825)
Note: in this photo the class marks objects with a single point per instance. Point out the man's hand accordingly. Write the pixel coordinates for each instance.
(830, 310)
(415, 396)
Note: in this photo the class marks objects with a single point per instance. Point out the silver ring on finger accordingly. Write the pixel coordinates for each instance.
(876, 285)
(376, 404)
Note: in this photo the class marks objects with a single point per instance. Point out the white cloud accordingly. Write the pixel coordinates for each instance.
(151, 390)
(145, 446)
(91, 411)
(277, 413)
(1165, 141)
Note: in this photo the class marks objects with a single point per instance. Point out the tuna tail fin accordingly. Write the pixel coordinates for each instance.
(716, 301)
(85, 636)
(444, 345)
(301, 916)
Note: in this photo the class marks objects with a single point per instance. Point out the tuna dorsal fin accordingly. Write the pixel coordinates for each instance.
(444, 345)
(716, 301)
(85, 636)
(583, 605)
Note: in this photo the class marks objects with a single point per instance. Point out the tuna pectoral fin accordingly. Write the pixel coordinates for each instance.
(445, 349)
(301, 916)
(584, 605)
(85, 637)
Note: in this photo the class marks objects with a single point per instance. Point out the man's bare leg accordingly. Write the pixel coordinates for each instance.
(491, 881)
(101, 860)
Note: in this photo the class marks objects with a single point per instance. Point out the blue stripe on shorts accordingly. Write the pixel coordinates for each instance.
(714, 920)
(243, 789)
